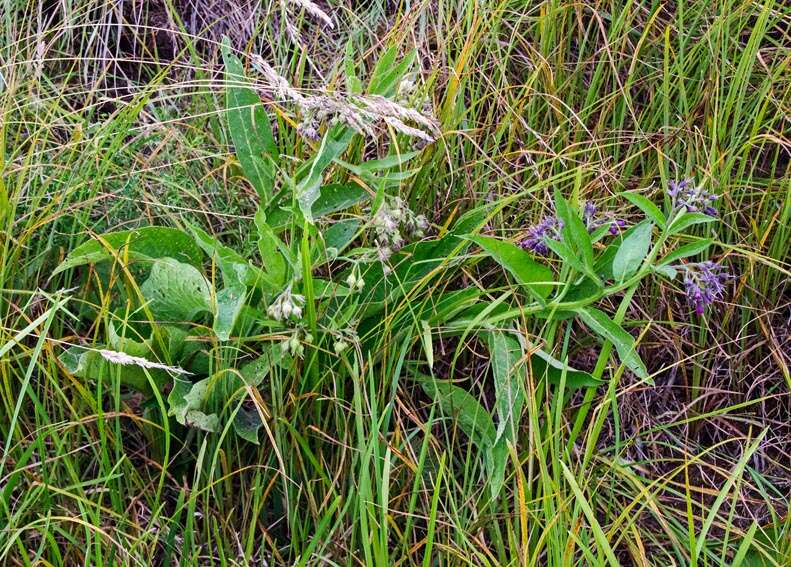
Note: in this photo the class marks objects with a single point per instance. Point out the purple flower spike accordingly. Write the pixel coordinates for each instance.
(535, 241)
(693, 198)
(704, 283)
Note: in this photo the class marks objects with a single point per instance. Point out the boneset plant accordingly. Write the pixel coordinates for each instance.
(336, 259)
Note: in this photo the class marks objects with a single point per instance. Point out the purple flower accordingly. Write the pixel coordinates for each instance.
(537, 235)
(593, 220)
(616, 226)
(704, 283)
(694, 198)
(589, 214)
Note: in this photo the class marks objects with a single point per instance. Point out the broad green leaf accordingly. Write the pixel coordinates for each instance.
(415, 262)
(570, 257)
(185, 402)
(271, 249)
(334, 143)
(602, 325)
(353, 83)
(230, 301)
(667, 271)
(473, 419)
(645, 205)
(234, 268)
(147, 243)
(496, 459)
(506, 354)
(575, 233)
(536, 277)
(471, 416)
(545, 365)
(603, 265)
(691, 249)
(323, 289)
(340, 234)
(175, 291)
(249, 127)
(688, 219)
(91, 365)
(449, 304)
(632, 252)
(246, 424)
(255, 371)
(338, 197)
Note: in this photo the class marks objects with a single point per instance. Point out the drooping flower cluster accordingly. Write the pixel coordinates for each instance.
(293, 344)
(392, 220)
(537, 235)
(692, 197)
(286, 306)
(704, 283)
(354, 280)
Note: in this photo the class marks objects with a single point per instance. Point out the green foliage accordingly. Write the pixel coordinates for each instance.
(249, 127)
(463, 401)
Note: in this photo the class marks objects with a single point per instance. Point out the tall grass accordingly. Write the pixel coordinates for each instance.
(108, 122)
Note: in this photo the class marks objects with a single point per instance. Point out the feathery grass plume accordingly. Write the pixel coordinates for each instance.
(127, 359)
(408, 130)
(387, 108)
(313, 10)
(362, 113)
(279, 84)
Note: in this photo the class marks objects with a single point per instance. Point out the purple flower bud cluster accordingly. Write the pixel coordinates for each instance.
(550, 226)
(704, 283)
(593, 220)
(694, 198)
(537, 235)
